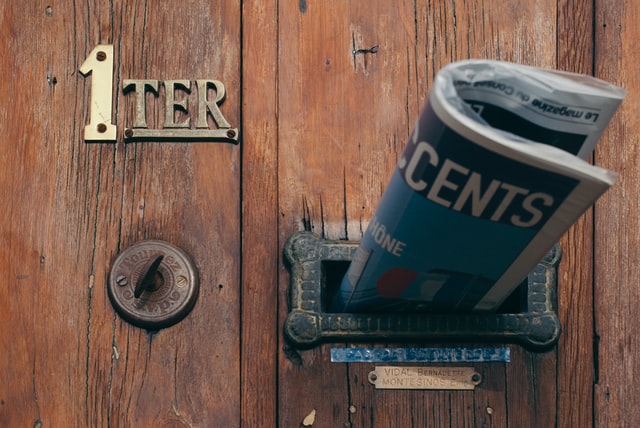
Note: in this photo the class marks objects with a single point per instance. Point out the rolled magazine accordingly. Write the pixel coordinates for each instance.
(491, 177)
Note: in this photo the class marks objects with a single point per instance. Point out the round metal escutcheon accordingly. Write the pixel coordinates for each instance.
(174, 288)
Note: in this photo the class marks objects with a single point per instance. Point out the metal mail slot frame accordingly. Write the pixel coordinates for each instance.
(535, 326)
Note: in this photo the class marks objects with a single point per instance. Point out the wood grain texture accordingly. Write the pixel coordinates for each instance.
(260, 246)
(69, 360)
(617, 272)
(576, 368)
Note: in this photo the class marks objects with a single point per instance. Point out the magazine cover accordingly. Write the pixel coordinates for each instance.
(490, 179)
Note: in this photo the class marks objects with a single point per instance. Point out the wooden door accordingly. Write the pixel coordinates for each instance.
(324, 95)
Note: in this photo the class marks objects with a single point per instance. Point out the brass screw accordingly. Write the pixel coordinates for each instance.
(101, 55)
(231, 133)
(181, 281)
(102, 128)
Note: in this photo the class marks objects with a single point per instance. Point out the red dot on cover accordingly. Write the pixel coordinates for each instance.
(394, 281)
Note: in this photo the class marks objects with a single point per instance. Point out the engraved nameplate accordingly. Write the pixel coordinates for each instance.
(403, 377)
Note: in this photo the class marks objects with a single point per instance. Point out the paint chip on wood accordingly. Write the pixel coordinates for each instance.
(309, 419)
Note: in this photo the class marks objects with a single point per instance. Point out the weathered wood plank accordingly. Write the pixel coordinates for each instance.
(187, 194)
(74, 206)
(575, 368)
(260, 247)
(44, 259)
(343, 118)
(617, 272)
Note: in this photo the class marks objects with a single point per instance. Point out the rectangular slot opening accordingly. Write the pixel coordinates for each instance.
(333, 271)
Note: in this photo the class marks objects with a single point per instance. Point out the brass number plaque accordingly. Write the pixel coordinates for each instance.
(178, 121)
(99, 64)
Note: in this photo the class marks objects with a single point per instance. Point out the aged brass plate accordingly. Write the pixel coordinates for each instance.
(403, 377)
(183, 135)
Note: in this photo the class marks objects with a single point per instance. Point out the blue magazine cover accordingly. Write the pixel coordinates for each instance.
(470, 209)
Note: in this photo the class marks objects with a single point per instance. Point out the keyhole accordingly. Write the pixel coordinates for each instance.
(152, 278)
(156, 282)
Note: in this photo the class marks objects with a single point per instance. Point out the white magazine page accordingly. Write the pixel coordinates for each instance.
(566, 110)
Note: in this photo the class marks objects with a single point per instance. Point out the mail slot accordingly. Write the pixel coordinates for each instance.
(528, 317)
